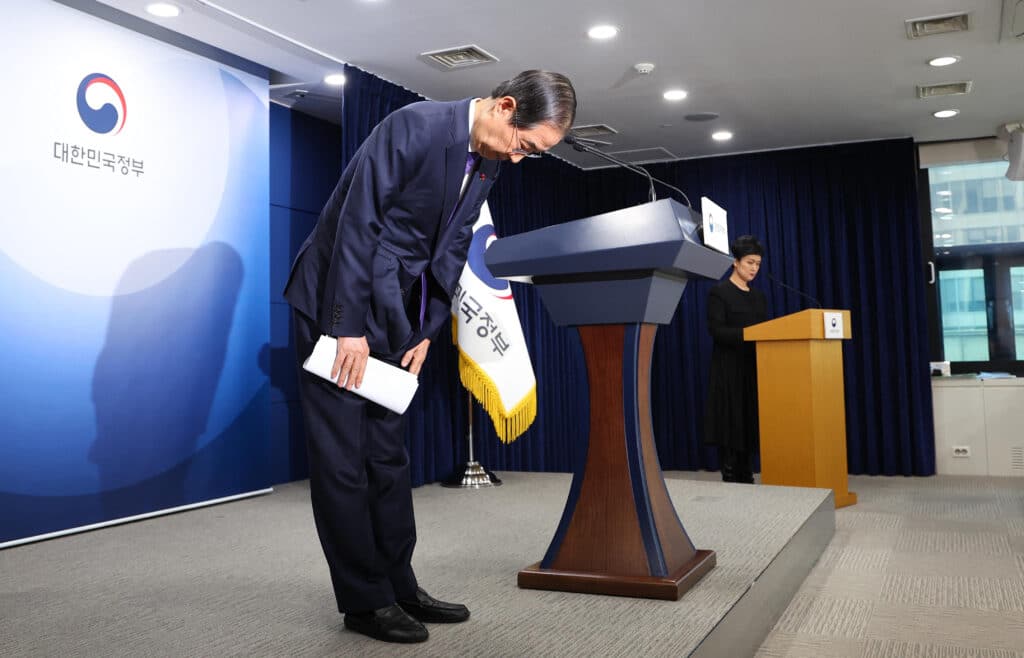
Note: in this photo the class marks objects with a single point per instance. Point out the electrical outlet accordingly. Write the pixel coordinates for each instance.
(961, 451)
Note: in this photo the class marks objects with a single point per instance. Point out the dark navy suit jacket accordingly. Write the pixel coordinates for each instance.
(387, 223)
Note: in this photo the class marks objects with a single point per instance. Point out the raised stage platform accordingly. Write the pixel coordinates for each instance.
(766, 538)
(248, 578)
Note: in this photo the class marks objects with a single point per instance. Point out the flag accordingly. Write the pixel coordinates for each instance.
(494, 364)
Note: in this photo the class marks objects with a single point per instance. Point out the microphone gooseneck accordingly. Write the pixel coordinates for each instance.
(799, 292)
(573, 141)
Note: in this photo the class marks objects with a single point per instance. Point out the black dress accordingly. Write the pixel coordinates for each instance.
(731, 420)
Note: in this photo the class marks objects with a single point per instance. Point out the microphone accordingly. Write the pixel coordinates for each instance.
(572, 141)
(799, 292)
(583, 147)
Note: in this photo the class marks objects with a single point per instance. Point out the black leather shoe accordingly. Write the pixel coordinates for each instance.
(390, 624)
(431, 611)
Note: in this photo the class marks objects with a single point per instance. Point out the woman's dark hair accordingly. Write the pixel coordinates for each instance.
(746, 245)
(541, 97)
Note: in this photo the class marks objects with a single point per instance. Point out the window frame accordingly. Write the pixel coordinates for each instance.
(996, 265)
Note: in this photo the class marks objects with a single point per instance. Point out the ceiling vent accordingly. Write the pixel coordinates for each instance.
(926, 27)
(593, 130)
(643, 156)
(944, 89)
(460, 57)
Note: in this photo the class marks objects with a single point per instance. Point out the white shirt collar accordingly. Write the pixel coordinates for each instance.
(472, 106)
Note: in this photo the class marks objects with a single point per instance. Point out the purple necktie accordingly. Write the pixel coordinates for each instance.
(472, 160)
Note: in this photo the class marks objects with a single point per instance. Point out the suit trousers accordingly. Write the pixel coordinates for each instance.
(735, 465)
(360, 488)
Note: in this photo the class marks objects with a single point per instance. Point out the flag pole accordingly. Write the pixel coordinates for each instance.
(471, 475)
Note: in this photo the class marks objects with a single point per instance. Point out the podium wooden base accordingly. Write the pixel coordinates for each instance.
(619, 533)
(669, 588)
(846, 500)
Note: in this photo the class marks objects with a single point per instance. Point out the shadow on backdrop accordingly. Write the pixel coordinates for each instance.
(157, 374)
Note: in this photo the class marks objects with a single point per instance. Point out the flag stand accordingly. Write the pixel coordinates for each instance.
(471, 475)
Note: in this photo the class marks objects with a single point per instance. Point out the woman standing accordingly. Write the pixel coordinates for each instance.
(732, 422)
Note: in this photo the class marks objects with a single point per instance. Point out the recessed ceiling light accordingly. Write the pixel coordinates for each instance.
(602, 32)
(944, 61)
(945, 114)
(944, 193)
(943, 211)
(675, 94)
(945, 236)
(163, 9)
(721, 136)
(335, 79)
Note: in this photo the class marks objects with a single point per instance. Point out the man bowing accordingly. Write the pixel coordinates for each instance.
(378, 273)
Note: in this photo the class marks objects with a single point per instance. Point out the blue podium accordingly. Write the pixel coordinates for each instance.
(616, 276)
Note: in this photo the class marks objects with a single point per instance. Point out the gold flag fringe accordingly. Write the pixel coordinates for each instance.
(508, 424)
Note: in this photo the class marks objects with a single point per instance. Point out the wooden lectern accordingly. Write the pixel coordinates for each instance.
(616, 276)
(801, 402)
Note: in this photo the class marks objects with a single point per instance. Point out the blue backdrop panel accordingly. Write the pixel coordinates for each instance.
(135, 270)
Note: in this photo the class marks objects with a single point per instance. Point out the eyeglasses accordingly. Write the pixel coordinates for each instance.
(515, 138)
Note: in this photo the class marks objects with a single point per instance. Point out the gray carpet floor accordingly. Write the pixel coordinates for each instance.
(920, 567)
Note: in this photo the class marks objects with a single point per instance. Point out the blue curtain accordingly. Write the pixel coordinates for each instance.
(838, 222)
(365, 101)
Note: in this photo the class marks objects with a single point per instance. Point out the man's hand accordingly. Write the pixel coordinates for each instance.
(415, 357)
(350, 362)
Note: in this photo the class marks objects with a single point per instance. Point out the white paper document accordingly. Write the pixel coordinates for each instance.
(387, 385)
